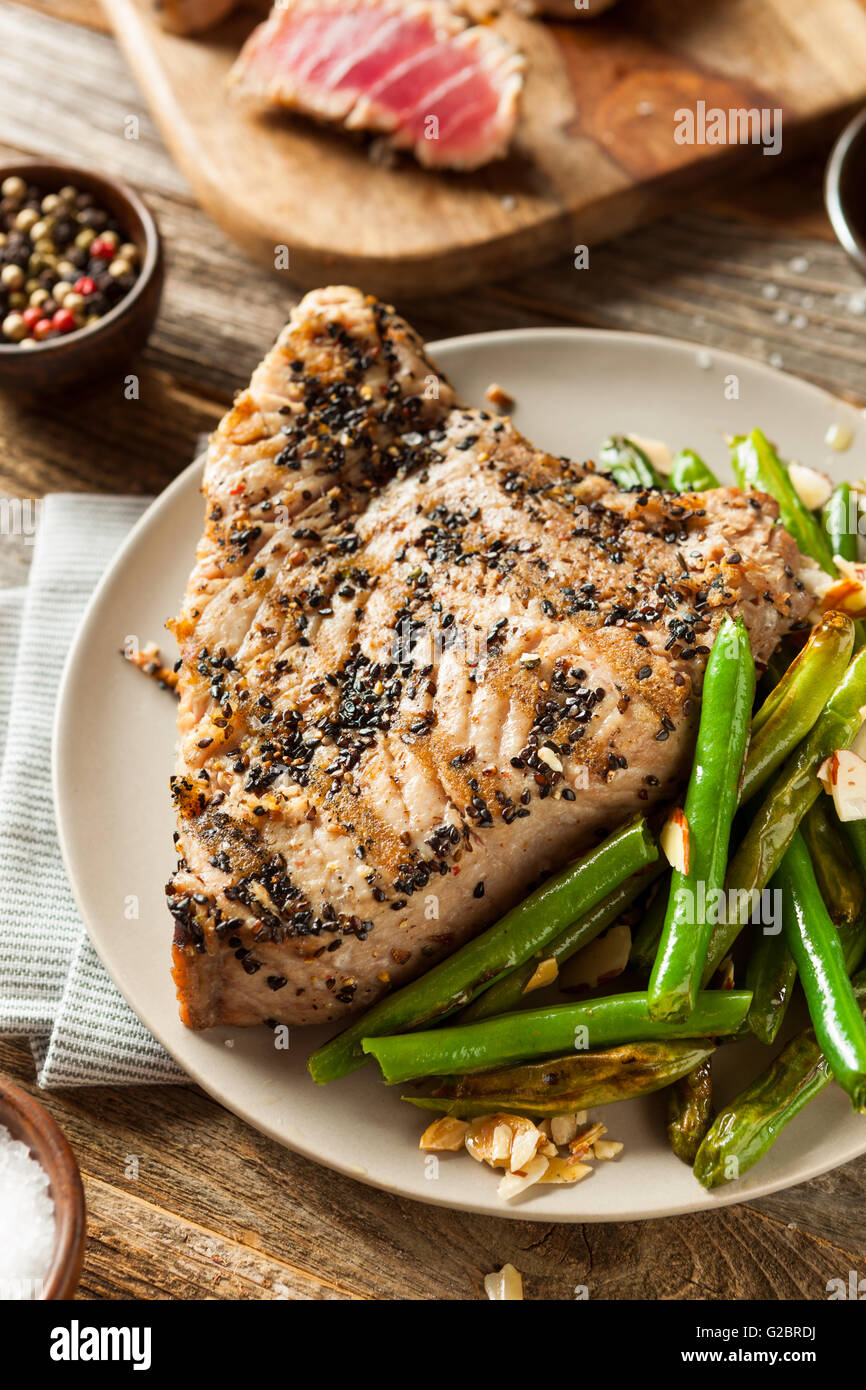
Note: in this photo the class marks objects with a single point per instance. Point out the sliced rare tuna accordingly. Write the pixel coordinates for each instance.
(418, 75)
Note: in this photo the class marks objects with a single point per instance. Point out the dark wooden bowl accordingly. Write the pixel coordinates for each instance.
(88, 353)
(845, 189)
(30, 1122)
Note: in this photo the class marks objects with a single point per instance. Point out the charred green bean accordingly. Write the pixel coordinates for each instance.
(522, 932)
(567, 1084)
(690, 1111)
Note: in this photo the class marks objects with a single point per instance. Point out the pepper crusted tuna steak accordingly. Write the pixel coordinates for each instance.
(416, 74)
(423, 664)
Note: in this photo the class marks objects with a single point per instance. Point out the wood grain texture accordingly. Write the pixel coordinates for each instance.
(216, 1210)
(594, 151)
(185, 1201)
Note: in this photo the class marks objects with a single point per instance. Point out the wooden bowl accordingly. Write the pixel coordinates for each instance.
(30, 1122)
(845, 189)
(88, 353)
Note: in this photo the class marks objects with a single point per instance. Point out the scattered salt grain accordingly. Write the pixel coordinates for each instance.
(798, 264)
(856, 304)
(776, 360)
(799, 321)
(770, 291)
(704, 360)
(27, 1225)
(645, 108)
(781, 317)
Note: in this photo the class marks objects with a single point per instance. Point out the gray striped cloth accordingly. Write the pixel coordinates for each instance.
(53, 989)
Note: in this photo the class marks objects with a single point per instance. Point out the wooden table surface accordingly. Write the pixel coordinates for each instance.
(212, 1209)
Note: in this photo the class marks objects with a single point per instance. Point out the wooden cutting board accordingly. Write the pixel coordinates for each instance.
(595, 152)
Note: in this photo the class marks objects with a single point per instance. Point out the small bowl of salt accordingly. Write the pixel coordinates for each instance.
(42, 1213)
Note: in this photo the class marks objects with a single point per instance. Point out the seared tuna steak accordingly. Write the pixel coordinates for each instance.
(417, 74)
(423, 664)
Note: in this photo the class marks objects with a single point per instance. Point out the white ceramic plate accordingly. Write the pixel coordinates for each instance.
(114, 750)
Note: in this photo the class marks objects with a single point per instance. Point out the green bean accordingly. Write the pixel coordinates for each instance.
(836, 517)
(840, 882)
(522, 932)
(819, 956)
(628, 464)
(852, 937)
(711, 800)
(854, 835)
(771, 975)
(510, 989)
(645, 943)
(690, 1111)
(689, 473)
(757, 465)
(528, 1033)
(567, 1084)
(792, 708)
(744, 1131)
(772, 972)
(791, 793)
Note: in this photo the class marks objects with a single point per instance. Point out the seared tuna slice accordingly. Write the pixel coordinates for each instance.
(417, 74)
(423, 664)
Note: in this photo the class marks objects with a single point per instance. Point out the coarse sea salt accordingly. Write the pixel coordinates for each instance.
(27, 1223)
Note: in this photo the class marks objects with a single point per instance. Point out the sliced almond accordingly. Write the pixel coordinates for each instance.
(812, 488)
(563, 1128)
(844, 774)
(547, 755)
(658, 453)
(563, 1170)
(500, 1147)
(524, 1147)
(674, 840)
(545, 975)
(491, 1138)
(607, 1148)
(583, 1142)
(848, 593)
(505, 1285)
(515, 1183)
(602, 959)
(447, 1133)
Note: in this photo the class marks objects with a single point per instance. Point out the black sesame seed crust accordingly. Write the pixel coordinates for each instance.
(423, 664)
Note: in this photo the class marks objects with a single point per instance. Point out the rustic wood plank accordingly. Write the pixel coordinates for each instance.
(92, 97)
(595, 147)
(337, 1238)
(178, 1259)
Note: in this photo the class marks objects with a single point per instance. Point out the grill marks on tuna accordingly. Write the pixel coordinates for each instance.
(417, 74)
(423, 664)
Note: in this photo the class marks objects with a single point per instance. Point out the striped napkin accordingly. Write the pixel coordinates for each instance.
(53, 988)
